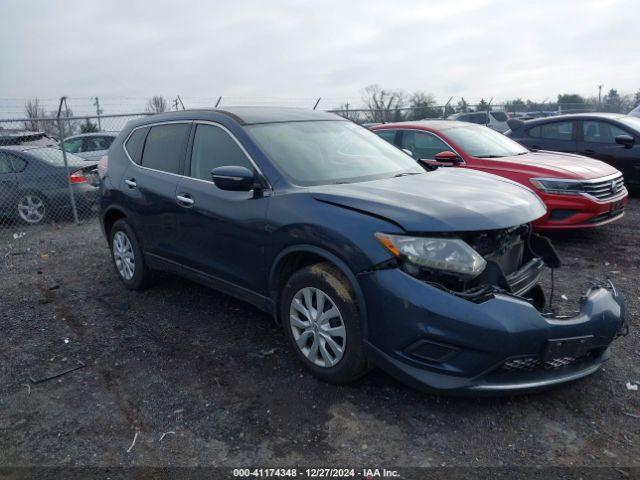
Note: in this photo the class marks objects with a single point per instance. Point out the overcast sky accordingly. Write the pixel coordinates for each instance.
(299, 50)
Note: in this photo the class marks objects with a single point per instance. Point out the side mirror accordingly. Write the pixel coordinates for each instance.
(447, 156)
(626, 141)
(237, 179)
(442, 159)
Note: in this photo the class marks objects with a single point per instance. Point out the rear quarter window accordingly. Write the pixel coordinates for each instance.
(499, 116)
(134, 144)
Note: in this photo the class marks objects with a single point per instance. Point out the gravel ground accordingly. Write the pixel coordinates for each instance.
(204, 379)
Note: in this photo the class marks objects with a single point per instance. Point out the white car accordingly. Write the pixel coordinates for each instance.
(495, 120)
(90, 146)
(635, 112)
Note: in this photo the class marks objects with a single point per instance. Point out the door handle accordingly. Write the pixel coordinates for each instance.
(131, 183)
(184, 200)
(589, 152)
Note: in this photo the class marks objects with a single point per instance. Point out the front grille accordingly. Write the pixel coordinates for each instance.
(604, 189)
(532, 364)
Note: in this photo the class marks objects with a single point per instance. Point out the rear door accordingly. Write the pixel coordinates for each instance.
(559, 136)
(150, 185)
(223, 232)
(598, 140)
(8, 184)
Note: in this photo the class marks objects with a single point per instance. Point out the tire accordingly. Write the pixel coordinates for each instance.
(342, 361)
(127, 257)
(32, 208)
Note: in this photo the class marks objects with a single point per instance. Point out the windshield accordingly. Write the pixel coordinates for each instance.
(322, 152)
(633, 122)
(484, 142)
(53, 156)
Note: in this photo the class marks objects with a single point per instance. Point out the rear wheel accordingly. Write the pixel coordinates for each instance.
(32, 208)
(127, 256)
(321, 320)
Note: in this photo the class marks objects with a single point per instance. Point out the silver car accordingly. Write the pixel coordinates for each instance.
(495, 120)
(90, 146)
(635, 112)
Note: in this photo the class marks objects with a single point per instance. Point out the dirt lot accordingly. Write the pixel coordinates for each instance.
(207, 380)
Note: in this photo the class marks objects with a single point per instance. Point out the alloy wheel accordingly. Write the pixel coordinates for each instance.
(317, 326)
(123, 255)
(31, 208)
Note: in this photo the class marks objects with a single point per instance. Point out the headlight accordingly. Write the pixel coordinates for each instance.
(551, 185)
(448, 254)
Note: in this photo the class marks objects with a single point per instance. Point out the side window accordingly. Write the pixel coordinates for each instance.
(107, 141)
(534, 132)
(18, 164)
(165, 147)
(601, 132)
(463, 118)
(553, 131)
(5, 163)
(423, 145)
(72, 145)
(388, 135)
(134, 144)
(213, 147)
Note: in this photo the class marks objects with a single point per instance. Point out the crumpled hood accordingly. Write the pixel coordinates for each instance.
(557, 164)
(445, 200)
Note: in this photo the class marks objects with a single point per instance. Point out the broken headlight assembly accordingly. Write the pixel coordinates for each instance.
(448, 255)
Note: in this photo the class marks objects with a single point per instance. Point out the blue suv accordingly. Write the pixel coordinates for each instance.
(363, 257)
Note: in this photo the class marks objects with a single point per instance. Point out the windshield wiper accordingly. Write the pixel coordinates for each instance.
(406, 173)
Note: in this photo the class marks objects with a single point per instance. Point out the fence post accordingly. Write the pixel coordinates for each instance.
(66, 163)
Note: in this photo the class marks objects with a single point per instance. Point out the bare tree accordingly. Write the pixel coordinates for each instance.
(385, 105)
(33, 111)
(156, 104)
(423, 105)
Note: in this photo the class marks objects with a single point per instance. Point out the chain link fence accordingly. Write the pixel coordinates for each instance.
(48, 176)
(48, 166)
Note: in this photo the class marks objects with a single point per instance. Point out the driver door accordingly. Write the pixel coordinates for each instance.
(423, 145)
(223, 232)
(599, 141)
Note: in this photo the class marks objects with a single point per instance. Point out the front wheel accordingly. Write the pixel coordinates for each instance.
(322, 322)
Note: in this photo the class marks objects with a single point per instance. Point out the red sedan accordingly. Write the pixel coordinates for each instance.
(579, 192)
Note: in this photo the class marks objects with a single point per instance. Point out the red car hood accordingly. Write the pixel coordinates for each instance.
(553, 164)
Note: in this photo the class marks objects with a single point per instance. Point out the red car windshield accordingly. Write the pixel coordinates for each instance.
(483, 142)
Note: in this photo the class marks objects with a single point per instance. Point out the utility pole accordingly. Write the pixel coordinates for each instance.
(175, 104)
(600, 94)
(96, 103)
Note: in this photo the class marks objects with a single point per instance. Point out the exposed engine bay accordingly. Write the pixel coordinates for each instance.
(515, 259)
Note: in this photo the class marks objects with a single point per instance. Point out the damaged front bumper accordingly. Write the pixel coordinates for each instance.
(432, 339)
